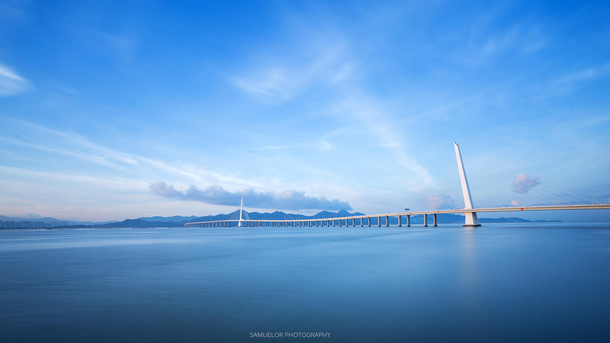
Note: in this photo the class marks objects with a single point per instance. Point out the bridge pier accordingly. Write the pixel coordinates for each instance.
(387, 221)
(425, 220)
(369, 219)
(434, 218)
(399, 220)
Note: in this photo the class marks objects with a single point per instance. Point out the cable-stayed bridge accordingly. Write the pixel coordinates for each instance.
(469, 211)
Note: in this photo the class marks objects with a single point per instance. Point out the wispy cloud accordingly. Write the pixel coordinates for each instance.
(488, 37)
(331, 62)
(321, 146)
(318, 57)
(13, 11)
(77, 146)
(10, 82)
(369, 113)
(282, 81)
(124, 46)
(584, 75)
(215, 194)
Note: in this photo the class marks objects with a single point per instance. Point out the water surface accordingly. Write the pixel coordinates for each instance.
(500, 282)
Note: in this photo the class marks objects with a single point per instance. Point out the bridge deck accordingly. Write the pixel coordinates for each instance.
(489, 209)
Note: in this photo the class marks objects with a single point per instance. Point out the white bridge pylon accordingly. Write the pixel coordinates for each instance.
(469, 211)
(471, 217)
(242, 220)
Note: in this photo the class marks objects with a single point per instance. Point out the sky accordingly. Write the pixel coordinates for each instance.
(122, 109)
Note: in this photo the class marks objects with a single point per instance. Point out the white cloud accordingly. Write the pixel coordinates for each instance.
(379, 122)
(585, 74)
(10, 82)
(523, 183)
(76, 146)
(439, 201)
(215, 194)
(282, 74)
(265, 83)
(326, 59)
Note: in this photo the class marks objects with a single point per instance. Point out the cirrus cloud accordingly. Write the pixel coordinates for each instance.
(10, 82)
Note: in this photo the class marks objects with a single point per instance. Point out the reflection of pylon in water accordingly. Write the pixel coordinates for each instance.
(242, 213)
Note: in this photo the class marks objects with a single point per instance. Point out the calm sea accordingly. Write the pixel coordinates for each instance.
(497, 283)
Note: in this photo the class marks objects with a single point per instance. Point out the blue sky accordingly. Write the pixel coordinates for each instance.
(113, 110)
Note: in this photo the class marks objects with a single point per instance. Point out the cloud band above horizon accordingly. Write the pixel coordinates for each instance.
(215, 194)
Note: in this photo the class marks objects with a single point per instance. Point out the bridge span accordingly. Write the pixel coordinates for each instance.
(382, 219)
(469, 211)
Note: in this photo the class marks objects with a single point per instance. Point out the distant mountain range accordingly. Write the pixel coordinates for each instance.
(35, 222)
(179, 221)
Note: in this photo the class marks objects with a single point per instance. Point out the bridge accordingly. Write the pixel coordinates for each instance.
(469, 211)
